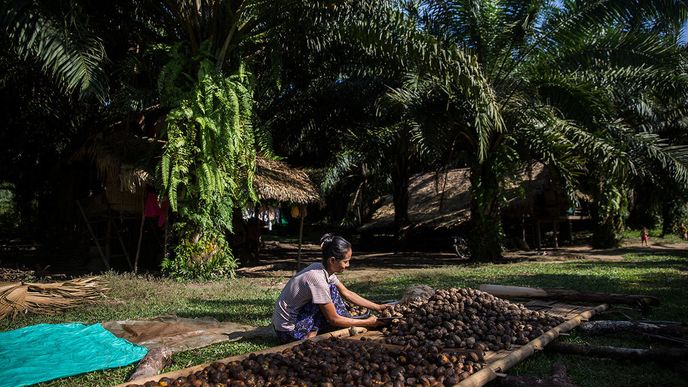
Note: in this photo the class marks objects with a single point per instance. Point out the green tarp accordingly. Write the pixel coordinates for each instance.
(44, 352)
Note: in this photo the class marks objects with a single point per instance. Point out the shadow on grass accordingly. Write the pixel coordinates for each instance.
(639, 250)
(244, 311)
(659, 275)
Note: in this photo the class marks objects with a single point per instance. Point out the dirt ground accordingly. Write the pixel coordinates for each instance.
(279, 259)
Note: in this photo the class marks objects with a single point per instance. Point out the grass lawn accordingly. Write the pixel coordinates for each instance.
(662, 273)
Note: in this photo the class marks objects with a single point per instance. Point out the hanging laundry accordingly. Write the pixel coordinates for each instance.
(155, 209)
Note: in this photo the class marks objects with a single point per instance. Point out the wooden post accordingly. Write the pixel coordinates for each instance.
(298, 256)
(555, 231)
(523, 229)
(124, 247)
(138, 245)
(93, 235)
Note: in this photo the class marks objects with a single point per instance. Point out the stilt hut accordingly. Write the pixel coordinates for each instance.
(440, 204)
(124, 165)
(275, 181)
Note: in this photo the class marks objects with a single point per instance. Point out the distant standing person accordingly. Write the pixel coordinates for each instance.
(644, 236)
(312, 300)
(684, 232)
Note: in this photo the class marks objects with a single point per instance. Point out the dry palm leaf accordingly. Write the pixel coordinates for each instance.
(48, 298)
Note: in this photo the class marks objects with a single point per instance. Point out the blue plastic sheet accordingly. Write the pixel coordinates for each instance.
(44, 352)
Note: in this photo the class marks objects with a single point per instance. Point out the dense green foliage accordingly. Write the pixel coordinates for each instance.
(558, 79)
(372, 91)
(207, 166)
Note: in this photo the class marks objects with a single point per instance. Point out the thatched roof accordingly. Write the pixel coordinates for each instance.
(442, 201)
(275, 180)
(435, 201)
(122, 157)
(126, 163)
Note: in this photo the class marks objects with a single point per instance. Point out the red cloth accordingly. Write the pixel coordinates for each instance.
(155, 209)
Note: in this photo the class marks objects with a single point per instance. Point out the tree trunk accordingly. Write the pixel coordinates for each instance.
(586, 350)
(673, 212)
(400, 189)
(607, 327)
(401, 204)
(152, 363)
(485, 225)
(608, 215)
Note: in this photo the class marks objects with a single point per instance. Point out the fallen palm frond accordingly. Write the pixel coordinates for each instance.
(48, 298)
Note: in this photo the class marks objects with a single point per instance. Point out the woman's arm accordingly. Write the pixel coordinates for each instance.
(334, 319)
(358, 300)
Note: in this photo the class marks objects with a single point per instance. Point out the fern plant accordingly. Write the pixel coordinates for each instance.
(208, 161)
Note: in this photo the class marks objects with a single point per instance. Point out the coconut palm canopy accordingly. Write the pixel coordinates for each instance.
(275, 180)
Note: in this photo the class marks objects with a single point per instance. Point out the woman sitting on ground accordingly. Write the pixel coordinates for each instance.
(311, 301)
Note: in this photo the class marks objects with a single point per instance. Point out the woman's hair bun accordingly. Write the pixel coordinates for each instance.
(334, 246)
(326, 239)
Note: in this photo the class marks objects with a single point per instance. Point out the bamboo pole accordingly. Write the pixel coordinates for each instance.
(93, 235)
(138, 245)
(298, 256)
(489, 373)
(346, 332)
(124, 247)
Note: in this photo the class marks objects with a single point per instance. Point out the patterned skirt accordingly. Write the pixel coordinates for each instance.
(311, 319)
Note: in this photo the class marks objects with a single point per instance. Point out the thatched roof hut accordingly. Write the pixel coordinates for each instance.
(125, 162)
(442, 200)
(436, 201)
(276, 181)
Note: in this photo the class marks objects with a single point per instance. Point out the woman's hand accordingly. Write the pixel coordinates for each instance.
(382, 307)
(371, 322)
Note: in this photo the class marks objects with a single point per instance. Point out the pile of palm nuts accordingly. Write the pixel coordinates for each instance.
(465, 318)
(336, 362)
(356, 310)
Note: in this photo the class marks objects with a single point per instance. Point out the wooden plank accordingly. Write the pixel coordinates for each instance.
(565, 310)
(190, 370)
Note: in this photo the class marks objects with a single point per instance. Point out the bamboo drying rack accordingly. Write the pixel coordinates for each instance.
(497, 361)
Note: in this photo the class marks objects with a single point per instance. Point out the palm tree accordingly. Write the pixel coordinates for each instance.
(540, 81)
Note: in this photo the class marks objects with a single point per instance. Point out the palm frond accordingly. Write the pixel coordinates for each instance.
(73, 57)
(48, 298)
(540, 133)
(652, 151)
